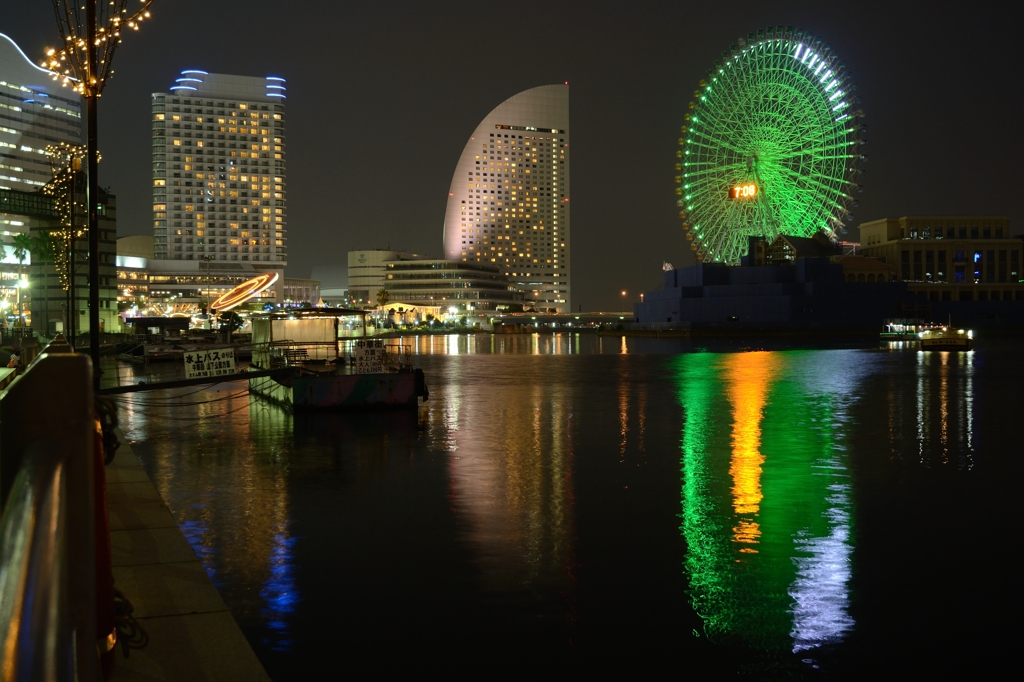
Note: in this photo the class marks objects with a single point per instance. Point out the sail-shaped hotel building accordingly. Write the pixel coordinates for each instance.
(509, 200)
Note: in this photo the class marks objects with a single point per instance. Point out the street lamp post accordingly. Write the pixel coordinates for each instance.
(85, 63)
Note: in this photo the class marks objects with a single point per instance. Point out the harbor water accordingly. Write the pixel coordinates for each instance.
(575, 502)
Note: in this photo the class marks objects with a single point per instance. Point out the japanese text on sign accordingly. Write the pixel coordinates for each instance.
(209, 363)
(370, 356)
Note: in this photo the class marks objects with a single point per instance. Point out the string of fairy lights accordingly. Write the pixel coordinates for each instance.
(71, 62)
(65, 164)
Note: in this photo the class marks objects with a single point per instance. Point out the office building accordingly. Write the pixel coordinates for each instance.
(950, 258)
(219, 172)
(509, 200)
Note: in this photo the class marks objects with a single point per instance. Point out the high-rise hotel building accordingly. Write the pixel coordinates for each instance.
(509, 200)
(219, 173)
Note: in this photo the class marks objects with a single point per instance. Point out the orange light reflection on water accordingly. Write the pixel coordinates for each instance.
(747, 378)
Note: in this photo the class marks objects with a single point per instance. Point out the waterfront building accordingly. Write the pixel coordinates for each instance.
(298, 291)
(950, 258)
(786, 249)
(452, 286)
(133, 257)
(367, 273)
(865, 269)
(35, 111)
(810, 294)
(964, 268)
(219, 174)
(194, 284)
(53, 309)
(509, 200)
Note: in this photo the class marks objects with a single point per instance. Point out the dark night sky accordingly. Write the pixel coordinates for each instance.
(383, 95)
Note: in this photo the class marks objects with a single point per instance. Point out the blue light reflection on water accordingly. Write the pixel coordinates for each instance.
(279, 590)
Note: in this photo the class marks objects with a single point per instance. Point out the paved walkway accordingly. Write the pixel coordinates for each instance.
(192, 634)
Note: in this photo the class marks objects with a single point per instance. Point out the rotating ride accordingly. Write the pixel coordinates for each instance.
(771, 146)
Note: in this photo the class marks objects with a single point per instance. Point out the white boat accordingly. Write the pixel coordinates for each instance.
(947, 338)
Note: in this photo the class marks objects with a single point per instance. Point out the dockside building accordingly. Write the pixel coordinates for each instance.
(466, 287)
(950, 258)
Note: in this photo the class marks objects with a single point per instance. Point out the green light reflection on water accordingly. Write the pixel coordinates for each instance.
(766, 510)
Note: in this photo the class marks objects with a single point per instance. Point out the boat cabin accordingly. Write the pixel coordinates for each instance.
(324, 339)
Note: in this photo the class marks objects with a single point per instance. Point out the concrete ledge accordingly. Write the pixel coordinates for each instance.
(150, 546)
(131, 516)
(203, 646)
(192, 634)
(171, 589)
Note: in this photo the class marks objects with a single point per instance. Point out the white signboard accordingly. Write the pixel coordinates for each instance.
(369, 356)
(212, 362)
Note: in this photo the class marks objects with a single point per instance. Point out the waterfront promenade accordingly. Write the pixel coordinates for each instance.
(192, 634)
(50, 591)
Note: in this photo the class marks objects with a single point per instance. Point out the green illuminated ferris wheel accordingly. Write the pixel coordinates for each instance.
(771, 145)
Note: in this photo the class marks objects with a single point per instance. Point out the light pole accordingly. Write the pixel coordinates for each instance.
(85, 63)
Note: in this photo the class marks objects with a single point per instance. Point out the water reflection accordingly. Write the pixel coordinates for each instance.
(945, 407)
(231, 503)
(510, 467)
(748, 376)
(766, 500)
(930, 415)
(551, 343)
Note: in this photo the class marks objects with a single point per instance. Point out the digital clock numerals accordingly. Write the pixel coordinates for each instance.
(743, 191)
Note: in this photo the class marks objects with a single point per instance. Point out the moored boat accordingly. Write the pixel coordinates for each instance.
(903, 329)
(947, 338)
(336, 367)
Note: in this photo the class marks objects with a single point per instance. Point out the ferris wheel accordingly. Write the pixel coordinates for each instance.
(771, 145)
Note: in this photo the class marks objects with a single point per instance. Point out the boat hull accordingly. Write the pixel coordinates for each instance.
(950, 344)
(308, 393)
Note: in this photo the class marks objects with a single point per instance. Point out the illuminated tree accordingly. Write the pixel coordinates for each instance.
(90, 31)
(770, 146)
(65, 166)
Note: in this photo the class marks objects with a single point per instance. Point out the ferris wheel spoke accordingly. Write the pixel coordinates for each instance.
(820, 152)
(717, 141)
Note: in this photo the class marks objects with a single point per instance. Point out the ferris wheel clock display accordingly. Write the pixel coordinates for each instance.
(771, 145)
